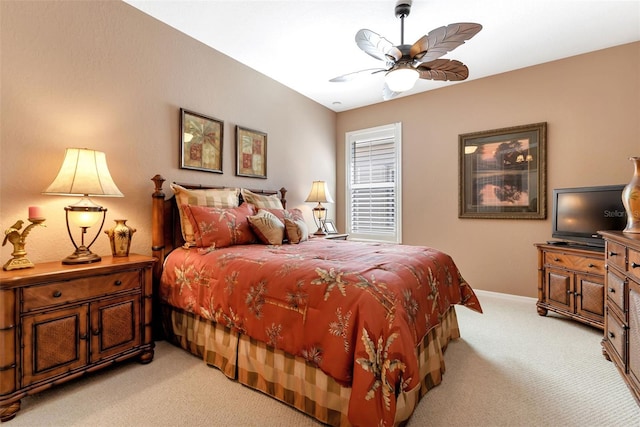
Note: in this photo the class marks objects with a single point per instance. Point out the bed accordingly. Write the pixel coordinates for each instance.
(349, 333)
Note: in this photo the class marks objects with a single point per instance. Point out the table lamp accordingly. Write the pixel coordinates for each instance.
(84, 173)
(319, 194)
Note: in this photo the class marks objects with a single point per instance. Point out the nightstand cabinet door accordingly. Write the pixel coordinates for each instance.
(54, 343)
(560, 289)
(634, 336)
(115, 326)
(590, 296)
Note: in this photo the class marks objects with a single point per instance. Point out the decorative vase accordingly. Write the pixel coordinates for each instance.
(120, 237)
(631, 199)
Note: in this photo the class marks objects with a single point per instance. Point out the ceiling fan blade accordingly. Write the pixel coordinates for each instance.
(350, 76)
(387, 93)
(443, 69)
(377, 46)
(442, 40)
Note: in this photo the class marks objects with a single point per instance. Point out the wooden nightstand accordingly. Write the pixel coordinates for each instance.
(334, 236)
(58, 322)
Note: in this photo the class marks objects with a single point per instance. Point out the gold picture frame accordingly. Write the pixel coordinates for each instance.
(503, 173)
(201, 139)
(251, 153)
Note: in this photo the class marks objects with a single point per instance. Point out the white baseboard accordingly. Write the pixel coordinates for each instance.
(505, 296)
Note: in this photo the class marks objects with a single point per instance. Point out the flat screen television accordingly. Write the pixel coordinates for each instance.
(579, 213)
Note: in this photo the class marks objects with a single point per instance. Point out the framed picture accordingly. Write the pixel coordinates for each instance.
(503, 173)
(330, 227)
(251, 153)
(200, 142)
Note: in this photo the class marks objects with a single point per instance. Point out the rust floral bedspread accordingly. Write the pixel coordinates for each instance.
(356, 310)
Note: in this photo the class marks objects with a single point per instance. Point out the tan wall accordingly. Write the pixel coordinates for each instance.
(591, 104)
(104, 75)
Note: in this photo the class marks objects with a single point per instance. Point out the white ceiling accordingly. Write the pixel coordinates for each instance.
(304, 43)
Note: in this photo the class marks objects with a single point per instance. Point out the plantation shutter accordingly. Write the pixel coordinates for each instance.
(373, 187)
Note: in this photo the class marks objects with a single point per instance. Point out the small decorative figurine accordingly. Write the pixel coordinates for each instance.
(18, 240)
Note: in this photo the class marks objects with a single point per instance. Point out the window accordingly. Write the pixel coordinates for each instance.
(373, 174)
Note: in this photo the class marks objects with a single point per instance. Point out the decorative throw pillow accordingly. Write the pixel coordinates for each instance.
(281, 214)
(218, 227)
(268, 227)
(219, 198)
(297, 230)
(261, 201)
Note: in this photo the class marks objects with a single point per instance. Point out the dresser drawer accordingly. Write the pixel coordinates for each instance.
(574, 262)
(633, 265)
(58, 293)
(616, 291)
(616, 335)
(616, 255)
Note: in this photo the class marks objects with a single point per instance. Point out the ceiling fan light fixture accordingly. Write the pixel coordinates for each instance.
(401, 79)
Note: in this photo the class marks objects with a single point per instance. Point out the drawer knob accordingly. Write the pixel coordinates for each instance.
(118, 282)
(96, 332)
(556, 259)
(612, 290)
(611, 253)
(57, 294)
(635, 265)
(577, 294)
(591, 265)
(612, 335)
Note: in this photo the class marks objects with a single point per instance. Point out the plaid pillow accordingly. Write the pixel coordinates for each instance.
(219, 198)
(261, 201)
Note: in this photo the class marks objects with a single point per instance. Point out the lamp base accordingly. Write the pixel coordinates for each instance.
(82, 255)
(320, 232)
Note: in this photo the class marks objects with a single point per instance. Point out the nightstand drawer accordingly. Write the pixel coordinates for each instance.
(616, 254)
(58, 293)
(574, 262)
(616, 291)
(617, 336)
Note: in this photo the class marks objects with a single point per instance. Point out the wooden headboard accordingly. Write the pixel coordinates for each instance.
(166, 233)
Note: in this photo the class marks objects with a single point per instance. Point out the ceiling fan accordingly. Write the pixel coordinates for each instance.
(404, 63)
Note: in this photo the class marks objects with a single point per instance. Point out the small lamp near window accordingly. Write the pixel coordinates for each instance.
(319, 194)
(84, 173)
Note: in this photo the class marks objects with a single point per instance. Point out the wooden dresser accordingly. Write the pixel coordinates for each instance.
(571, 282)
(621, 343)
(58, 322)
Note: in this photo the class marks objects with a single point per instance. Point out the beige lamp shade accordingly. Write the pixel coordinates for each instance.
(84, 172)
(319, 193)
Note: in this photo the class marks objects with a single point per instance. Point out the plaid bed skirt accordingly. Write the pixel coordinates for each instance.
(292, 379)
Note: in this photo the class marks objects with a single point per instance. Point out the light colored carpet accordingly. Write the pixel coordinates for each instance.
(510, 368)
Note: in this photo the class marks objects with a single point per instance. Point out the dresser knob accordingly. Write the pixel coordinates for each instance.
(591, 265)
(556, 259)
(635, 265)
(96, 332)
(83, 337)
(118, 282)
(57, 294)
(612, 335)
(611, 253)
(577, 294)
(612, 290)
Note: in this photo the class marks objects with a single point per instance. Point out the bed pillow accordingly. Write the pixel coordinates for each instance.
(219, 227)
(212, 197)
(297, 230)
(267, 227)
(261, 201)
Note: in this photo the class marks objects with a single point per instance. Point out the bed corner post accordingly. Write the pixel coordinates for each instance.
(157, 227)
(283, 197)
